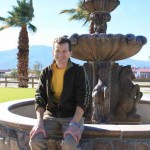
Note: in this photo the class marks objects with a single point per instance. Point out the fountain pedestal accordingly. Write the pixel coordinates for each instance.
(114, 95)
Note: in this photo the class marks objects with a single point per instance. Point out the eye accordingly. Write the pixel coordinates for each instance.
(56, 51)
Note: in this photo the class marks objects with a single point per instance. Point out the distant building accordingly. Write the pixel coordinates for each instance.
(5, 72)
(141, 73)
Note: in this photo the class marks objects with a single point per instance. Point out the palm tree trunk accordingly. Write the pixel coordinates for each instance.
(23, 56)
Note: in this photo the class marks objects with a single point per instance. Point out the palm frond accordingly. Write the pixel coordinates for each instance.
(2, 19)
(78, 13)
(68, 11)
(20, 15)
(31, 27)
(4, 27)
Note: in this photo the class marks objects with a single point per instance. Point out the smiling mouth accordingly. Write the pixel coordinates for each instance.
(60, 60)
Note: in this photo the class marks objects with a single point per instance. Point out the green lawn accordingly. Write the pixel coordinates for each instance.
(8, 94)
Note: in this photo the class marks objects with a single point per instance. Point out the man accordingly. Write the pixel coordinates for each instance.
(61, 98)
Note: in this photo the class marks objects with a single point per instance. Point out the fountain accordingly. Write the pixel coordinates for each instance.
(114, 95)
(116, 117)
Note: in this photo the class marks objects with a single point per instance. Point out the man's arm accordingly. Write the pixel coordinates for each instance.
(82, 92)
(39, 126)
(39, 113)
(40, 104)
(73, 128)
(82, 89)
(78, 114)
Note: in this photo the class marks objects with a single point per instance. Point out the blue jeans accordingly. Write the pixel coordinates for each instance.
(54, 127)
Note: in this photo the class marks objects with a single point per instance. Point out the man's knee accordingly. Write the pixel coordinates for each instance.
(37, 142)
(69, 143)
(32, 143)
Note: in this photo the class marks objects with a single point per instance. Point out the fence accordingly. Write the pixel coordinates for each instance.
(13, 81)
(144, 83)
(33, 81)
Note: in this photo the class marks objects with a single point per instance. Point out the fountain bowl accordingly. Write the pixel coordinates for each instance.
(105, 47)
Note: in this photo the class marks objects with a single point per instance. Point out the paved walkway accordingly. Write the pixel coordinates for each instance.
(146, 97)
(146, 93)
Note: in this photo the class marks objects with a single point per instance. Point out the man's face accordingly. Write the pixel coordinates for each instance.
(61, 54)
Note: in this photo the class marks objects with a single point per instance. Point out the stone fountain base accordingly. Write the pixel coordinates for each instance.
(18, 117)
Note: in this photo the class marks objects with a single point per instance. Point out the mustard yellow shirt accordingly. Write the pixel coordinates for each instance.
(57, 82)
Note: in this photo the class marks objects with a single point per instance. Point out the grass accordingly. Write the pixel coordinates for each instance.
(9, 94)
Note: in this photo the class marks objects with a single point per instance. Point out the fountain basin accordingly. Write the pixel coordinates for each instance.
(104, 47)
(18, 117)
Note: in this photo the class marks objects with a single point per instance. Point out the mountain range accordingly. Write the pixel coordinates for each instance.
(43, 55)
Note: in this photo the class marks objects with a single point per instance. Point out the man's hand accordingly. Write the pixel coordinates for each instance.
(74, 131)
(73, 128)
(38, 128)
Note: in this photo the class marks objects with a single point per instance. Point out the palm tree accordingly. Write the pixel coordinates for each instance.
(21, 16)
(80, 13)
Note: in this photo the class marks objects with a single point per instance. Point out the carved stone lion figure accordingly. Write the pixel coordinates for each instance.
(129, 96)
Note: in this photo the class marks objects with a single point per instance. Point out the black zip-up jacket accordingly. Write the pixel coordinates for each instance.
(76, 91)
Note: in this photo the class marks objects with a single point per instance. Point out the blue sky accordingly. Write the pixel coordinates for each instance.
(131, 16)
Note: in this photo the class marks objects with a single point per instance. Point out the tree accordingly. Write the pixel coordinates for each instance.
(21, 16)
(37, 67)
(14, 73)
(80, 13)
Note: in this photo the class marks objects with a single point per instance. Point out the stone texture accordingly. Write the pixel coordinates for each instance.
(118, 145)
(142, 146)
(2, 144)
(13, 139)
(104, 145)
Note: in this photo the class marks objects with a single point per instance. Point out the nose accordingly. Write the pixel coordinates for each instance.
(60, 54)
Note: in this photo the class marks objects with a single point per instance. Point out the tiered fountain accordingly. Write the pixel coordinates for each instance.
(114, 95)
(116, 118)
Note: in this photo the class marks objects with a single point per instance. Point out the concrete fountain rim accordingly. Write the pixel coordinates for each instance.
(91, 130)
